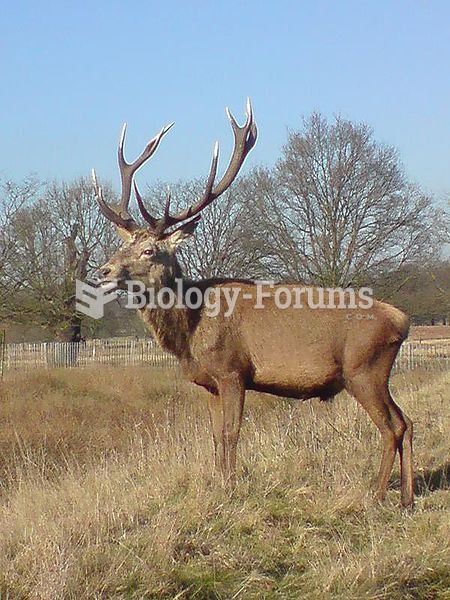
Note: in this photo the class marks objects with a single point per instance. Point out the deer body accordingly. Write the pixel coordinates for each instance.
(292, 352)
(296, 353)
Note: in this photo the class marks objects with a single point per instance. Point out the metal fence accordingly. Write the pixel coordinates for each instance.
(427, 354)
(138, 351)
(114, 351)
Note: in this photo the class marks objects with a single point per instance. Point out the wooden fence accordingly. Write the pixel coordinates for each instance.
(133, 351)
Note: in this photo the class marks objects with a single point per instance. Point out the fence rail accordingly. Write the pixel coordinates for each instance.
(126, 351)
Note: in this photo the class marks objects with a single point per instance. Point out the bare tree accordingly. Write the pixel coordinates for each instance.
(13, 197)
(225, 243)
(421, 291)
(57, 238)
(338, 206)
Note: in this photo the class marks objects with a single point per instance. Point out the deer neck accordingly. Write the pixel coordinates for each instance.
(171, 326)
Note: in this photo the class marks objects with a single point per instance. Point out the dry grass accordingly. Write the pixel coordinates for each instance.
(106, 491)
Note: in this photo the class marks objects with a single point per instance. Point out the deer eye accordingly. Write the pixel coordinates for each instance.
(148, 252)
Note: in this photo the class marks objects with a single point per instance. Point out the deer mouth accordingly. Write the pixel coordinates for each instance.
(113, 284)
(108, 284)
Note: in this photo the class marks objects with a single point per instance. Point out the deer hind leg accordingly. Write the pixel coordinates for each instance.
(395, 430)
(404, 435)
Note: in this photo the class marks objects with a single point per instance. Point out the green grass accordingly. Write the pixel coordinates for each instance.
(107, 491)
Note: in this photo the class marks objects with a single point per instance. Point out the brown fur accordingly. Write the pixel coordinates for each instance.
(296, 353)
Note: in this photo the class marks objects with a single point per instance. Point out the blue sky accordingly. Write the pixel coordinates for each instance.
(72, 72)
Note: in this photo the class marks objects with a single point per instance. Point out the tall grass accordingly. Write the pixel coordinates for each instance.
(107, 491)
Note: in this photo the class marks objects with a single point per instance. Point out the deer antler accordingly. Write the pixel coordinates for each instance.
(244, 140)
(120, 215)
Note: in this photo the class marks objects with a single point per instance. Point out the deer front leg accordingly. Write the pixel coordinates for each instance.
(225, 411)
(232, 394)
(216, 417)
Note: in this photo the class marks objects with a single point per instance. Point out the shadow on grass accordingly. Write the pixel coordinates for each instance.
(432, 480)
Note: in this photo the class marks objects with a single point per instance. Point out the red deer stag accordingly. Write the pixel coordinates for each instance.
(312, 352)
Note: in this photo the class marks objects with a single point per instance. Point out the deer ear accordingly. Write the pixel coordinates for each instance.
(123, 233)
(182, 233)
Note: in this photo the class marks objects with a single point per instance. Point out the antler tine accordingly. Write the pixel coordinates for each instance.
(244, 140)
(167, 205)
(144, 212)
(127, 170)
(166, 221)
(108, 212)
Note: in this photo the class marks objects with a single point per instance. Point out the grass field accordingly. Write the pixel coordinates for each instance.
(107, 491)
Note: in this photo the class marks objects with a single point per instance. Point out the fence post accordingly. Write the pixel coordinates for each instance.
(2, 352)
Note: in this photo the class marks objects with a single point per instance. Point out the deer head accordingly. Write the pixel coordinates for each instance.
(148, 253)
